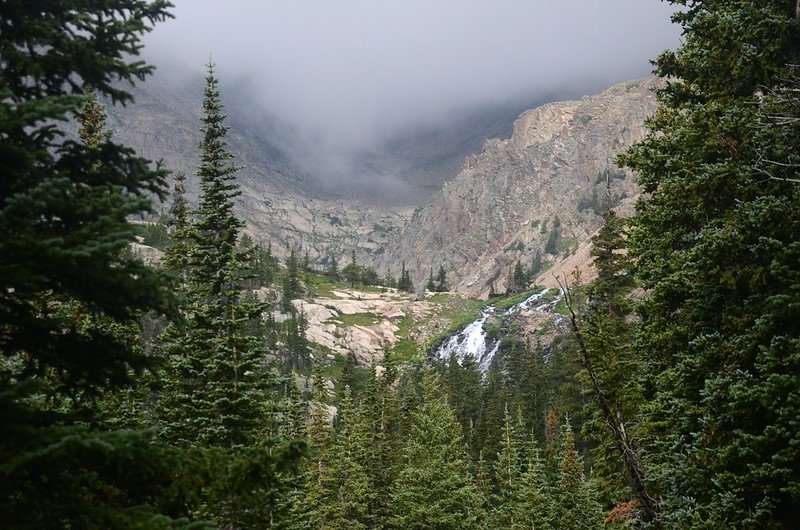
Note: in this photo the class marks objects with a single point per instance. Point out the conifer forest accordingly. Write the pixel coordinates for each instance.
(193, 392)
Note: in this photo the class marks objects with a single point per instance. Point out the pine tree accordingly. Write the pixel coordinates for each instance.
(434, 488)
(64, 235)
(577, 508)
(320, 439)
(612, 368)
(211, 351)
(508, 473)
(352, 272)
(343, 482)
(405, 283)
(291, 283)
(441, 280)
(378, 426)
(431, 285)
(218, 391)
(534, 508)
(91, 115)
(715, 244)
(179, 229)
(520, 279)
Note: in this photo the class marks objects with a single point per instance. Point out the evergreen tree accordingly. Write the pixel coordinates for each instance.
(578, 508)
(352, 272)
(715, 244)
(405, 283)
(431, 285)
(176, 258)
(64, 235)
(341, 485)
(434, 488)
(218, 391)
(291, 283)
(333, 268)
(534, 508)
(520, 279)
(441, 280)
(211, 351)
(93, 130)
(297, 347)
(380, 430)
(319, 438)
(612, 368)
(508, 474)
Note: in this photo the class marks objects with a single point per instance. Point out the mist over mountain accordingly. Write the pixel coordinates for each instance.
(399, 169)
(383, 100)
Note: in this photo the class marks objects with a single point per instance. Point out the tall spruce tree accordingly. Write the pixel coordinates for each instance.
(219, 392)
(534, 507)
(64, 235)
(578, 509)
(435, 488)
(345, 481)
(441, 280)
(508, 474)
(219, 384)
(716, 245)
(431, 285)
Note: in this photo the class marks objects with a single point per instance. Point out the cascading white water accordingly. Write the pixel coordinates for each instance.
(471, 341)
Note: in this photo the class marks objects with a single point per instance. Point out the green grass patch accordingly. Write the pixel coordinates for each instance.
(320, 285)
(561, 308)
(406, 350)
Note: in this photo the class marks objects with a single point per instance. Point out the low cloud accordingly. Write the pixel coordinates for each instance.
(350, 74)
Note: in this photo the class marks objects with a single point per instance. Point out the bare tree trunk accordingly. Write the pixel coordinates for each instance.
(614, 421)
(797, 10)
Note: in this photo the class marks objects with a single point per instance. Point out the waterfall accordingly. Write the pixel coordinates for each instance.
(472, 340)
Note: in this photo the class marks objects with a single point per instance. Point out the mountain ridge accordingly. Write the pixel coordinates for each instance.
(541, 190)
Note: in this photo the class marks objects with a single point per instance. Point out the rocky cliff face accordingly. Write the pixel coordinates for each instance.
(279, 202)
(540, 191)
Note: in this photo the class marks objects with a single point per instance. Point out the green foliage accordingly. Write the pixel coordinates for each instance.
(177, 254)
(71, 289)
(405, 283)
(716, 245)
(218, 395)
(434, 488)
(291, 283)
(431, 285)
(261, 267)
(342, 481)
(358, 319)
(351, 271)
(520, 279)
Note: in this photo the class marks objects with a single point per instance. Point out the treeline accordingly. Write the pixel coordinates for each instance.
(395, 457)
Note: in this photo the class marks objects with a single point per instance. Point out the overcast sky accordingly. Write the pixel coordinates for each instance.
(349, 71)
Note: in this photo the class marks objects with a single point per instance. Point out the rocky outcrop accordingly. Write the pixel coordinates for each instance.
(150, 256)
(540, 191)
(377, 329)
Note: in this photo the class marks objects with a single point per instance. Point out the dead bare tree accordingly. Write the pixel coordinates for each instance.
(612, 416)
